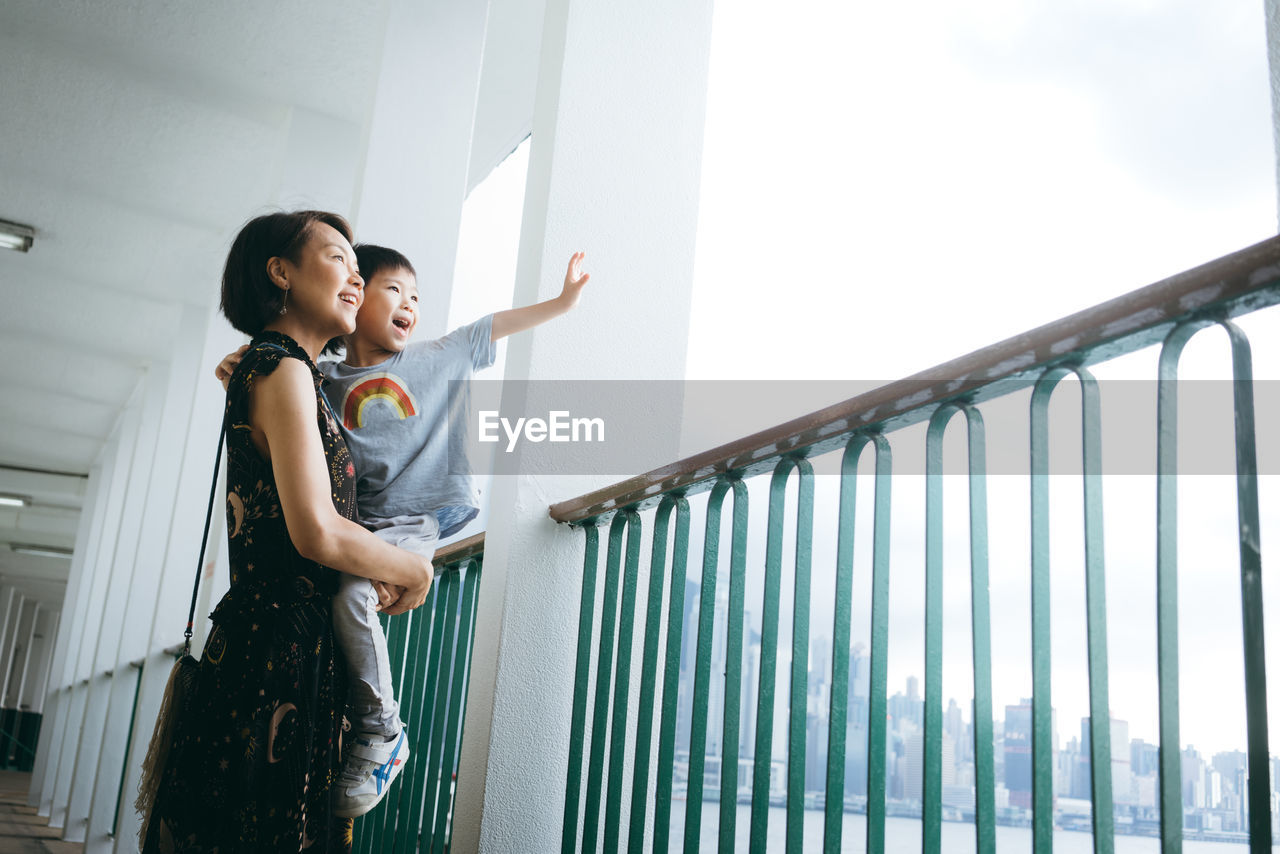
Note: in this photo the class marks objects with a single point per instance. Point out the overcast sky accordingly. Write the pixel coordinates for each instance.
(888, 186)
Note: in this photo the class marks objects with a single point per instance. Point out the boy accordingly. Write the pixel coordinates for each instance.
(392, 399)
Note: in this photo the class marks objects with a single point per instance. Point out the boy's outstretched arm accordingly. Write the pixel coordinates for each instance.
(519, 319)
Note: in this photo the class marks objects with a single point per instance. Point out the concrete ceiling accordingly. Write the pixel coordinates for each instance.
(137, 137)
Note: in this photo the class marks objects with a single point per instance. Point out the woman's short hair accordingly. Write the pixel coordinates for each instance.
(250, 300)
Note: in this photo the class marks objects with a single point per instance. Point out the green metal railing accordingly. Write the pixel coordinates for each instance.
(430, 650)
(1167, 313)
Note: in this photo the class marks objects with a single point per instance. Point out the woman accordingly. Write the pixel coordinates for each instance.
(251, 769)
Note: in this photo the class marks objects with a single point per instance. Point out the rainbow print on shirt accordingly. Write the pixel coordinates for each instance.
(383, 388)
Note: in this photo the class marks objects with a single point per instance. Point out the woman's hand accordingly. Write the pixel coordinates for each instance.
(388, 594)
(228, 366)
(414, 595)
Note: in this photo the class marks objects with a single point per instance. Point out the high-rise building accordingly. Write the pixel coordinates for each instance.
(855, 763)
(1192, 778)
(688, 654)
(1121, 782)
(1144, 758)
(908, 707)
(914, 777)
(750, 690)
(1017, 754)
(954, 725)
(817, 727)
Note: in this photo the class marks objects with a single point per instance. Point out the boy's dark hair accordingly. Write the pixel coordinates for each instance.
(376, 259)
(249, 298)
(372, 260)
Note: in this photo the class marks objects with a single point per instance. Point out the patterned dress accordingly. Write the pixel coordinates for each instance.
(252, 766)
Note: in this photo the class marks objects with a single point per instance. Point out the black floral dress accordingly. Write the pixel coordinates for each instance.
(251, 769)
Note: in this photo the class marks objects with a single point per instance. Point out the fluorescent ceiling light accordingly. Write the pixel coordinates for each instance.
(9, 499)
(40, 551)
(16, 236)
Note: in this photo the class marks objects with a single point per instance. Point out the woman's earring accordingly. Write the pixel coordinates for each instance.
(284, 306)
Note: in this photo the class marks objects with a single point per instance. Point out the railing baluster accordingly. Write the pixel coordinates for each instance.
(931, 807)
(768, 664)
(671, 681)
(1095, 608)
(702, 669)
(622, 685)
(581, 682)
(457, 707)
(769, 658)
(730, 730)
(604, 670)
(1041, 647)
(980, 607)
(833, 820)
(648, 674)
(841, 631)
(437, 684)
(397, 631)
(1255, 669)
(800, 659)
(415, 693)
(984, 749)
(1167, 583)
(877, 735)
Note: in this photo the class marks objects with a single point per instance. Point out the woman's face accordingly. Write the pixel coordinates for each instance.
(325, 288)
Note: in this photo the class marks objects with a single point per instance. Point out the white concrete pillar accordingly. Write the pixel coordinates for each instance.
(26, 657)
(614, 170)
(54, 707)
(109, 620)
(415, 175)
(32, 698)
(1273, 62)
(142, 612)
(99, 578)
(12, 604)
(15, 641)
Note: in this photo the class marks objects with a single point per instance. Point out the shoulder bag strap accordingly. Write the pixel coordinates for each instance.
(204, 540)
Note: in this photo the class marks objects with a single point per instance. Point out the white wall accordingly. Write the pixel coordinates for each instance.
(419, 151)
(614, 169)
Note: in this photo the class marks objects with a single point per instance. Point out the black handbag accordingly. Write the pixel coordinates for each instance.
(180, 688)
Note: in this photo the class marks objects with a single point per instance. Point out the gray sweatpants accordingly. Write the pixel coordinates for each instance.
(359, 632)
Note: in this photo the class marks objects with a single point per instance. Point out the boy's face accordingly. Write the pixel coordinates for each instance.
(390, 310)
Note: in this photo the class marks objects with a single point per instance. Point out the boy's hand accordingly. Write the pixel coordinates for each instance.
(228, 366)
(515, 320)
(574, 279)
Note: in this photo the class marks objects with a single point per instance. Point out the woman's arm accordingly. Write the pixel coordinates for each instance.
(516, 320)
(282, 411)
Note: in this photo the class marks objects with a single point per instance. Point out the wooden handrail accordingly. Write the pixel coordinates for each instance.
(459, 551)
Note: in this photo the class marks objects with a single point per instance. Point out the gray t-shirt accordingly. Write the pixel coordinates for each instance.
(396, 419)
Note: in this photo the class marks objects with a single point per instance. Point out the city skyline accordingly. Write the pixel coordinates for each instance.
(1134, 759)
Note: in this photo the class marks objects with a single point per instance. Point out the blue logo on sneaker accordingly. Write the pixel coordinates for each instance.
(383, 773)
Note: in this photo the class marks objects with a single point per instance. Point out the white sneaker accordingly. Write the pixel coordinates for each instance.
(372, 765)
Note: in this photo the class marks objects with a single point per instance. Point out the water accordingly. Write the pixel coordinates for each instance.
(902, 835)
